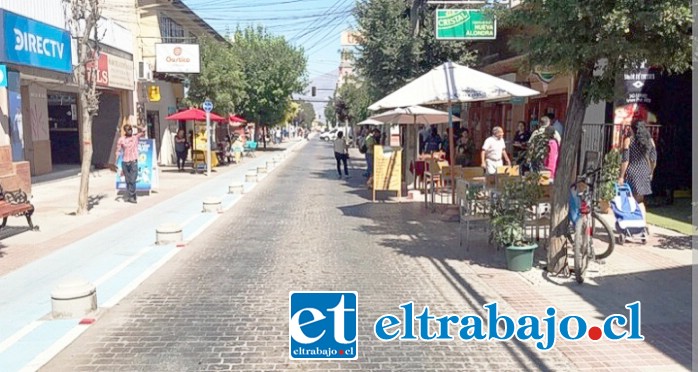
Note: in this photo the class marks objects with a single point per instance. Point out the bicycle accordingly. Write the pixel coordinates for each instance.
(586, 225)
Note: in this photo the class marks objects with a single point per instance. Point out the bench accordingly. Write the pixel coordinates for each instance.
(15, 203)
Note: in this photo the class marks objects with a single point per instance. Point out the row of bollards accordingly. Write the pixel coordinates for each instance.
(77, 297)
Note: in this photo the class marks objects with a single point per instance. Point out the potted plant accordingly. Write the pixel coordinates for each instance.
(509, 212)
(609, 174)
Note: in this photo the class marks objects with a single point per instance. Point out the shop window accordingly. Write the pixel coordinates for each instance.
(170, 31)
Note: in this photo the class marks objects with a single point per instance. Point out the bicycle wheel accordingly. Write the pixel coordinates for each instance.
(603, 233)
(581, 248)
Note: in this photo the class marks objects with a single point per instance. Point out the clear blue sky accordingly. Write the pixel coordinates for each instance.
(313, 24)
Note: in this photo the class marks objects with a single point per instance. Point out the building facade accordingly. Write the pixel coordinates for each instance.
(41, 110)
(167, 53)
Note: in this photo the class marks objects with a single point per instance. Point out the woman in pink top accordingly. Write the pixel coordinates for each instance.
(553, 150)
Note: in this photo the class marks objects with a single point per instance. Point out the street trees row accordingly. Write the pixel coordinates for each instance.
(253, 76)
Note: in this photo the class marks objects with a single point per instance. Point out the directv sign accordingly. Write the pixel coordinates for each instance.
(32, 43)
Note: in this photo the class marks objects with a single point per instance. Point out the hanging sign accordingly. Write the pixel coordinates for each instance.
(465, 24)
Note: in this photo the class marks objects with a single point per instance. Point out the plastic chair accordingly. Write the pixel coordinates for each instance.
(474, 208)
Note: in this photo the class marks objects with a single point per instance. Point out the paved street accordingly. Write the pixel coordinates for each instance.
(222, 303)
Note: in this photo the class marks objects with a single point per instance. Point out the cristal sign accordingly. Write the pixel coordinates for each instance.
(465, 25)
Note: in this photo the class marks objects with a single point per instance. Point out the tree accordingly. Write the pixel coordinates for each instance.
(221, 78)
(330, 113)
(595, 41)
(82, 22)
(306, 115)
(355, 96)
(395, 47)
(274, 70)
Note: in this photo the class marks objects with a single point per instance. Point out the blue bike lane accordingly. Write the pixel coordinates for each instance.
(116, 260)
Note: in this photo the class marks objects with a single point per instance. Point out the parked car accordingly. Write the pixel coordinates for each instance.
(329, 135)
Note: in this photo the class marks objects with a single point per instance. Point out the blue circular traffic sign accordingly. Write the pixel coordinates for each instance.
(208, 105)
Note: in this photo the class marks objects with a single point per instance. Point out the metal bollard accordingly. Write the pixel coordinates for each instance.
(168, 233)
(236, 188)
(251, 176)
(212, 204)
(73, 298)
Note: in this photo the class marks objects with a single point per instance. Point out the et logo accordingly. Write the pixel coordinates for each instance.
(323, 325)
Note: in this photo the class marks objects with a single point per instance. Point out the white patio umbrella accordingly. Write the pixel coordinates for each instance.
(413, 115)
(451, 82)
(370, 121)
(448, 83)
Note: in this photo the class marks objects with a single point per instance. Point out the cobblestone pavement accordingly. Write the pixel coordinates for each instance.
(222, 304)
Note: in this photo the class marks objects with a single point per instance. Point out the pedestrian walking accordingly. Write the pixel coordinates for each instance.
(128, 146)
(494, 151)
(341, 154)
(181, 147)
(639, 158)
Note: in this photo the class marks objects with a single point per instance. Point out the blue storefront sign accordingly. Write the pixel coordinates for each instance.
(3, 76)
(32, 43)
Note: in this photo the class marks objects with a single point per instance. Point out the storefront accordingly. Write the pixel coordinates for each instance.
(37, 57)
(115, 84)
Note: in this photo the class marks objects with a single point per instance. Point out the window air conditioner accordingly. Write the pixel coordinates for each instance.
(144, 71)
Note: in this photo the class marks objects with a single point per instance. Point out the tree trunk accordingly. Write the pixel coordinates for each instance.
(264, 136)
(565, 174)
(88, 96)
(86, 151)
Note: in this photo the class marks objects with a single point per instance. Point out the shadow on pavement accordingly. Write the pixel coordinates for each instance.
(665, 296)
(410, 229)
(10, 231)
(674, 242)
(420, 233)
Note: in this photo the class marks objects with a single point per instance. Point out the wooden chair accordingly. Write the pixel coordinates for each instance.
(510, 171)
(471, 172)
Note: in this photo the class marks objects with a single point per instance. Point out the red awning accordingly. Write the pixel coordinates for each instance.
(194, 114)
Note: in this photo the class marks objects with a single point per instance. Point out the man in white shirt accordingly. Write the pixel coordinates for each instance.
(341, 154)
(493, 151)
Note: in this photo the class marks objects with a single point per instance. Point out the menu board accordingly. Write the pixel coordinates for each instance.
(387, 170)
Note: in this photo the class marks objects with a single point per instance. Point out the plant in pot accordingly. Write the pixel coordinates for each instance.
(509, 211)
(609, 174)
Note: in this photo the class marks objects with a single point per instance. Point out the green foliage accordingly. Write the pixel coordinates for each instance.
(389, 56)
(355, 99)
(306, 115)
(609, 175)
(511, 207)
(537, 149)
(273, 70)
(573, 36)
(330, 113)
(220, 80)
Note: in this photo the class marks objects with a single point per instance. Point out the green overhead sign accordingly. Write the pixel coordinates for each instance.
(465, 25)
